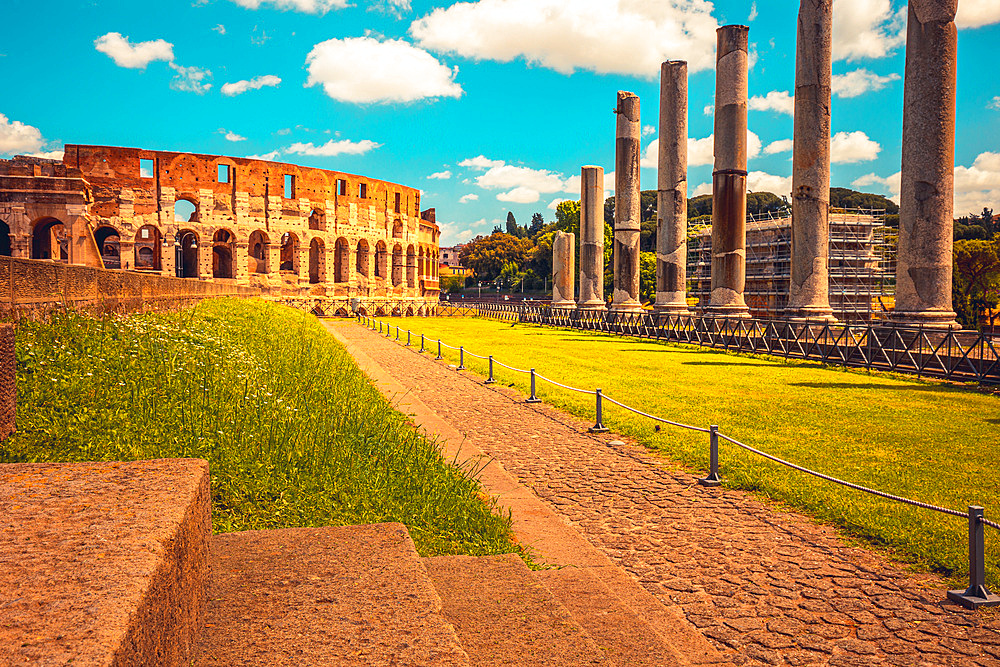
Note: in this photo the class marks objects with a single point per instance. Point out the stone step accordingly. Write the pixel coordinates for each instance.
(349, 595)
(504, 616)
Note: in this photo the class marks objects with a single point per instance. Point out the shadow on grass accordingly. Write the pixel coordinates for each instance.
(729, 363)
(848, 385)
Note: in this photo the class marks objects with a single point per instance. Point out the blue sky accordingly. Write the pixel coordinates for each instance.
(487, 106)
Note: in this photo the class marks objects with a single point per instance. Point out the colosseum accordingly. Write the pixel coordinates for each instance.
(311, 237)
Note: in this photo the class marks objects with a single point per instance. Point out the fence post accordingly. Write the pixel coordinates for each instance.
(533, 398)
(407, 338)
(490, 379)
(713, 458)
(421, 342)
(461, 358)
(439, 350)
(599, 426)
(976, 595)
(397, 333)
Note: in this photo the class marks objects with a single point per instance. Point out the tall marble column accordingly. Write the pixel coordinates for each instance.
(671, 193)
(809, 288)
(562, 270)
(626, 243)
(591, 239)
(729, 180)
(924, 255)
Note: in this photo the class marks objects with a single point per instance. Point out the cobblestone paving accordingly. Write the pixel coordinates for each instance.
(767, 586)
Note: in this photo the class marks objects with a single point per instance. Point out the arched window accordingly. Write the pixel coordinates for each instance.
(317, 269)
(362, 259)
(257, 251)
(147, 248)
(186, 252)
(185, 210)
(49, 240)
(109, 244)
(222, 254)
(341, 261)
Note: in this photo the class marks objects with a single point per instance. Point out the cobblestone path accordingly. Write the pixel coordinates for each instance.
(767, 586)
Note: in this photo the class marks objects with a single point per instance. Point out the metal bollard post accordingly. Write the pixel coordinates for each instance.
(976, 595)
(599, 426)
(490, 379)
(407, 338)
(713, 458)
(461, 358)
(439, 350)
(533, 398)
(397, 333)
(422, 343)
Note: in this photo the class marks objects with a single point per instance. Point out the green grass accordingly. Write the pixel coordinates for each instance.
(295, 434)
(925, 440)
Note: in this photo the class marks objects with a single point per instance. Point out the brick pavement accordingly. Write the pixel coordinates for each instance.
(769, 586)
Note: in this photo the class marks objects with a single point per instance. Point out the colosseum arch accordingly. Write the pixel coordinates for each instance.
(5, 242)
(411, 267)
(186, 252)
(186, 209)
(341, 261)
(362, 259)
(317, 219)
(317, 261)
(289, 257)
(397, 229)
(146, 248)
(49, 240)
(397, 265)
(108, 242)
(223, 246)
(381, 260)
(257, 251)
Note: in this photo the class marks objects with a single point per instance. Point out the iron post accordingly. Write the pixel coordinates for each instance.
(421, 342)
(407, 338)
(439, 350)
(599, 426)
(533, 398)
(397, 333)
(976, 595)
(461, 358)
(713, 458)
(490, 379)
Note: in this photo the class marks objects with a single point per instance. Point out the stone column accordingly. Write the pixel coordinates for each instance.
(729, 180)
(924, 255)
(809, 288)
(591, 239)
(671, 191)
(626, 244)
(562, 270)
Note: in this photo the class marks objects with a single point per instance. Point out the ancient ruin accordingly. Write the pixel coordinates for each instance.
(671, 195)
(626, 242)
(729, 180)
(563, 246)
(808, 296)
(926, 200)
(591, 239)
(307, 236)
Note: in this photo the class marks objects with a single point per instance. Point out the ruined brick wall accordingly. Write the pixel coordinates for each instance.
(8, 381)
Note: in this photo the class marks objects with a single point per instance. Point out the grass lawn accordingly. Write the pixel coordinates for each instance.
(294, 432)
(925, 440)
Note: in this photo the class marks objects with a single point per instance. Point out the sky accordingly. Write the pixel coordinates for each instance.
(487, 106)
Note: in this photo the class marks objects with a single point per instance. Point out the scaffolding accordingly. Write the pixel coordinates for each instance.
(861, 264)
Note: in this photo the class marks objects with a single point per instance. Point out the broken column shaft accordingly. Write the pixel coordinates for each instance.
(729, 191)
(671, 193)
(809, 288)
(562, 270)
(626, 243)
(924, 255)
(591, 239)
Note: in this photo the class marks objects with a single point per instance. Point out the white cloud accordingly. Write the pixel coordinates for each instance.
(994, 103)
(647, 130)
(465, 199)
(331, 148)
(753, 12)
(480, 162)
(190, 79)
(306, 6)
(554, 203)
(364, 70)
(509, 176)
(700, 151)
(709, 109)
(267, 157)
(285, 131)
(221, 29)
(232, 136)
(979, 185)
(703, 189)
(17, 137)
(860, 81)
(392, 7)
(779, 146)
(50, 155)
(519, 195)
(776, 100)
(849, 147)
(442, 175)
(867, 29)
(255, 83)
(133, 56)
(604, 36)
(977, 13)
(759, 181)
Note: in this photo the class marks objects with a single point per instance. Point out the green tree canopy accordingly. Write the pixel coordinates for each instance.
(487, 255)
(976, 282)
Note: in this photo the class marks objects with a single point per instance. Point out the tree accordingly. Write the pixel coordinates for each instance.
(488, 255)
(976, 279)
(647, 277)
(847, 198)
(537, 222)
(568, 217)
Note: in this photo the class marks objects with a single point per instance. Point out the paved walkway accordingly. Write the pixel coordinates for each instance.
(765, 586)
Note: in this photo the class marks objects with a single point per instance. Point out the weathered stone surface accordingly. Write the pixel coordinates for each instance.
(729, 177)
(809, 293)
(671, 195)
(103, 563)
(924, 256)
(8, 381)
(563, 267)
(591, 239)
(626, 240)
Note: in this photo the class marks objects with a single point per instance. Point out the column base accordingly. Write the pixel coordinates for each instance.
(741, 312)
(564, 305)
(672, 309)
(928, 319)
(627, 307)
(596, 306)
(810, 315)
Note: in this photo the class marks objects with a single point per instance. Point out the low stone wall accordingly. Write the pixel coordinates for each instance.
(30, 287)
(8, 381)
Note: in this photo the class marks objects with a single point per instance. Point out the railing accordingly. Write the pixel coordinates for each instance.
(976, 595)
(965, 356)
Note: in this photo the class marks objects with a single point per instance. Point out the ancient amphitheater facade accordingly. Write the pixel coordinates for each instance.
(312, 237)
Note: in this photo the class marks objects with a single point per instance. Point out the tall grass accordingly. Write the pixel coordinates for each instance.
(294, 432)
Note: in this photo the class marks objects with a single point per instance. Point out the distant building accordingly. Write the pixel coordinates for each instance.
(449, 256)
(862, 268)
(445, 270)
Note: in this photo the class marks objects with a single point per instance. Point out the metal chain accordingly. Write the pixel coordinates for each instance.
(564, 386)
(654, 417)
(991, 524)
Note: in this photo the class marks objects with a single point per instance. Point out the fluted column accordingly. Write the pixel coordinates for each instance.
(626, 243)
(591, 239)
(671, 193)
(924, 255)
(729, 180)
(809, 288)
(562, 270)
